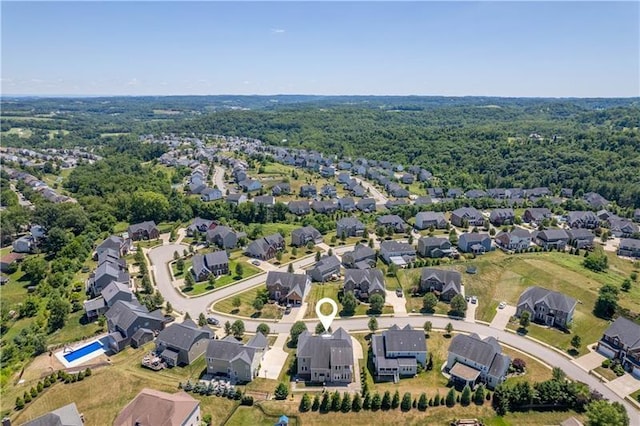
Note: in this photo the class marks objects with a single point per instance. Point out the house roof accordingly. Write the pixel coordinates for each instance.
(259, 341)
(360, 251)
(396, 246)
(143, 226)
(475, 349)
(348, 222)
(553, 235)
(467, 212)
(474, 237)
(326, 351)
(122, 314)
(372, 278)
(630, 243)
(580, 234)
(113, 289)
(63, 416)
(433, 241)
(390, 219)
(327, 264)
(555, 300)
(627, 331)
(182, 335)
(152, 407)
(229, 349)
(404, 339)
(306, 230)
(113, 242)
(464, 372)
(449, 279)
(287, 280)
(430, 216)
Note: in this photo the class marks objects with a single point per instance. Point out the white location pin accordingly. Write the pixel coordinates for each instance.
(326, 320)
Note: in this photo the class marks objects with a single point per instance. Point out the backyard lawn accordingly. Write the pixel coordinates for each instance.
(331, 290)
(270, 311)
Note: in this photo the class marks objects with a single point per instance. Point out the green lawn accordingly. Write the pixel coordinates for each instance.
(331, 290)
(75, 329)
(635, 396)
(607, 373)
(407, 279)
(254, 416)
(270, 311)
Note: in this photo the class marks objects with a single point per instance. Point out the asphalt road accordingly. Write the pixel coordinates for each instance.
(218, 178)
(381, 200)
(161, 255)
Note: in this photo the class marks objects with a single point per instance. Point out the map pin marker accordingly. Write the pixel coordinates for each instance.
(326, 320)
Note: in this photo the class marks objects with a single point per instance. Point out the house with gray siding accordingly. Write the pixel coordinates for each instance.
(467, 215)
(301, 236)
(350, 227)
(397, 252)
(547, 307)
(445, 283)
(125, 319)
(182, 343)
(231, 358)
(629, 248)
(425, 220)
(434, 247)
(580, 238)
(326, 359)
(324, 269)
(397, 352)
(361, 257)
(518, 239)
(621, 342)
(472, 360)
(364, 283)
(552, 238)
(474, 242)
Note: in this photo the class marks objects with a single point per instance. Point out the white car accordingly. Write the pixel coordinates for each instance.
(256, 262)
(502, 305)
(474, 299)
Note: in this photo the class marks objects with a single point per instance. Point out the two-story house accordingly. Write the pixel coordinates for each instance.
(301, 236)
(131, 323)
(361, 257)
(324, 269)
(434, 247)
(266, 248)
(285, 287)
(629, 248)
(182, 343)
(536, 215)
(392, 221)
(144, 231)
(364, 283)
(552, 238)
(467, 216)
(350, 227)
(518, 239)
(397, 352)
(231, 358)
(621, 341)
(472, 360)
(582, 219)
(501, 217)
(474, 242)
(216, 263)
(325, 359)
(397, 252)
(580, 238)
(548, 307)
(446, 283)
(425, 220)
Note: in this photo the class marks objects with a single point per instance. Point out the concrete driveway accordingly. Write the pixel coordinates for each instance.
(398, 303)
(502, 317)
(624, 385)
(274, 359)
(471, 311)
(589, 361)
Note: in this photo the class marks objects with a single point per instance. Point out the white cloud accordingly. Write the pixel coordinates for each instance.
(277, 31)
(133, 82)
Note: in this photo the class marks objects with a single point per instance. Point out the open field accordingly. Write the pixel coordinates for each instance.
(331, 290)
(270, 311)
(407, 279)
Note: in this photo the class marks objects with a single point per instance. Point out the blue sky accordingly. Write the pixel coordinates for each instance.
(558, 49)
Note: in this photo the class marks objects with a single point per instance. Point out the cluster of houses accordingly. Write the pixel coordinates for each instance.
(66, 158)
(38, 185)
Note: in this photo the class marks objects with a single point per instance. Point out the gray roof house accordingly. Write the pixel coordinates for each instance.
(266, 200)
(181, 344)
(621, 341)
(545, 306)
(308, 191)
(216, 263)
(397, 352)
(299, 207)
(447, 283)
(392, 221)
(582, 219)
(423, 201)
(324, 206)
(426, 220)
(266, 248)
(500, 217)
(284, 287)
(346, 204)
(350, 227)
(536, 215)
(361, 257)
(301, 236)
(397, 252)
(366, 205)
(281, 189)
(108, 297)
(324, 269)
(199, 225)
(224, 237)
(125, 319)
(104, 275)
(552, 238)
(467, 214)
(328, 191)
(211, 194)
(629, 247)
(580, 238)
(621, 227)
(236, 199)
(24, 244)
(144, 231)
(434, 247)
(63, 416)
(518, 239)
(116, 243)
(230, 358)
(325, 359)
(474, 242)
(472, 360)
(364, 283)
(595, 200)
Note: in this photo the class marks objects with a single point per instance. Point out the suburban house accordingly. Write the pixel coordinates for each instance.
(397, 252)
(500, 217)
(397, 352)
(265, 200)
(144, 231)
(153, 407)
(445, 282)
(63, 416)
(536, 215)
(308, 191)
(216, 263)
(552, 238)
(10, 260)
(425, 220)
(580, 238)
(473, 242)
(131, 323)
(346, 204)
(361, 257)
(324, 206)
(24, 244)
(475, 193)
(211, 194)
(467, 215)
(364, 283)
(328, 191)
(236, 199)
(301, 236)
(621, 227)
(239, 362)
(281, 189)
(629, 247)
(250, 185)
(350, 227)
(582, 219)
(518, 239)
(181, 344)
(407, 179)
(324, 269)
(595, 200)
(108, 297)
(325, 359)
(224, 237)
(366, 205)
(105, 274)
(392, 221)
(119, 244)
(299, 207)
(285, 287)
(472, 360)
(423, 201)
(621, 341)
(199, 225)
(266, 248)
(548, 307)
(434, 247)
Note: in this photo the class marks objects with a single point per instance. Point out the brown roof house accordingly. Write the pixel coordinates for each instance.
(153, 407)
(144, 231)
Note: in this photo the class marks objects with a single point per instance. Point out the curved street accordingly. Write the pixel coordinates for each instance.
(161, 255)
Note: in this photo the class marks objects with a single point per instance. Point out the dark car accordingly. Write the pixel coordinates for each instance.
(212, 321)
(399, 292)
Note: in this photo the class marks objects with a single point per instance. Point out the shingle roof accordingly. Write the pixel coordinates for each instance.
(182, 336)
(371, 279)
(63, 416)
(555, 300)
(111, 290)
(227, 350)
(553, 234)
(404, 339)
(152, 407)
(473, 348)
(326, 351)
(627, 331)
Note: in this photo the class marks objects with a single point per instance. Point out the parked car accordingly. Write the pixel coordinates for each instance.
(399, 292)
(474, 299)
(212, 321)
(256, 262)
(287, 309)
(502, 305)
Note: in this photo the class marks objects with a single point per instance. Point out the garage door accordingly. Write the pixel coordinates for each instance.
(606, 351)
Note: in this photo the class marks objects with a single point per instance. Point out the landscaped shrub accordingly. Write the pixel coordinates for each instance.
(335, 401)
(386, 401)
(345, 407)
(316, 403)
(395, 402)
(451, 398)
(606, 363)
(305, 403)
(422, 402)
(356, 405)
(376, 401)
(405, 405)
(366, 402)
(465, 398)
(324, 405)
(19, 403)
(248, 400)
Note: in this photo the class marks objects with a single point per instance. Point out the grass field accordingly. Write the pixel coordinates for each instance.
(607, 373)
(407, 279)
(331, 290)
(270, 311)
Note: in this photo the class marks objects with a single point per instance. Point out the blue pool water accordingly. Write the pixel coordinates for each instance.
(85, 350)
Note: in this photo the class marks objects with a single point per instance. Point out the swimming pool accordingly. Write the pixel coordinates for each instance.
(85, 350)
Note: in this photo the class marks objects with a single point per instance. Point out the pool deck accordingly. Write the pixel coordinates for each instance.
(83, 359)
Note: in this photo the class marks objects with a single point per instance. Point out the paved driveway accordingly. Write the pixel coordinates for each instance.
(471, 311)
(502, 317)
(398, 303)
(624, 385)
(589, 361)
(274, 359)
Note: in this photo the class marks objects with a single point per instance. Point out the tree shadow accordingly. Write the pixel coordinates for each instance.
(522, 331)
(257, 314)
(234, 311)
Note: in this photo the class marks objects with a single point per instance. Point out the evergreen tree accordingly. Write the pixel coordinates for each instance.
(386, 401)
(356, 405)
(305, 403)
(451, 398)
(395, 401)
(422, 402)
(465, 398)
(376, 401)
(316, 403)
(478, 396)
(345, 407)
(405, 405)
(324, 405)
(366, 402)
(335, 401)
(282, 391)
